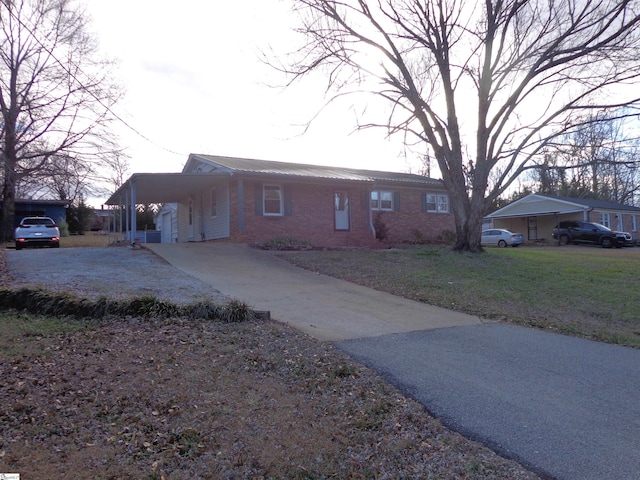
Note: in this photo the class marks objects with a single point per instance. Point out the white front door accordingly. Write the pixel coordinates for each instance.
(341, 203)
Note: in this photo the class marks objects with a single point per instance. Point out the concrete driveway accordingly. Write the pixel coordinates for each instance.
(565, 407)
(323, 307)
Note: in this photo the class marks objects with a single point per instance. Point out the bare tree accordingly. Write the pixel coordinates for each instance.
(599, 158)
(485, 85)
(55, 94)
(70, 178)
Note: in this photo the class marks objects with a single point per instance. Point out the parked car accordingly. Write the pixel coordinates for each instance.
(573, 231)
(501, 238)
(37, 232)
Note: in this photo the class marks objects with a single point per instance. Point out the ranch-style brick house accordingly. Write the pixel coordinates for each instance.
(255, 201)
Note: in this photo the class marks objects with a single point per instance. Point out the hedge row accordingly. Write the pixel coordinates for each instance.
(41, 302)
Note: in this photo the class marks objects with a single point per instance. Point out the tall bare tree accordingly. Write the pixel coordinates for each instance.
(70, 178)
(484, 85)
(55, 93)
(599, 158)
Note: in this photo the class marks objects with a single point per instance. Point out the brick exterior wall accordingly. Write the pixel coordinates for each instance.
(410, 224)
(310, 217)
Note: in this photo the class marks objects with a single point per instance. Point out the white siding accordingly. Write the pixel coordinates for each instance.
(218, 226)
(204, 227)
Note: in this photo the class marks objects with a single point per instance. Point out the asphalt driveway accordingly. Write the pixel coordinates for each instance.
(565, 407)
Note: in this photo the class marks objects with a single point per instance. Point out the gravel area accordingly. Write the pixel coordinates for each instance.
(116, 272)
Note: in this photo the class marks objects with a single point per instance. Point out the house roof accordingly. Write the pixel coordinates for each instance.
(262, 168)
(199, 171)
(536, 204)
(600, 204)
(58, 203)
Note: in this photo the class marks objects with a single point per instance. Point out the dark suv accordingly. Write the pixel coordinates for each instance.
(572, 231)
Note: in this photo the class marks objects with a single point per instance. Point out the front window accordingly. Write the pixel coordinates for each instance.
(634, 223)
(605, 219)
(381, 200)
(437, 203)
(272, 198)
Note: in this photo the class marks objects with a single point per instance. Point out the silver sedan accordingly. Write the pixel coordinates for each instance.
(497, 237)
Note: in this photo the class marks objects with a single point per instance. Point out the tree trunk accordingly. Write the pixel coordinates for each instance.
(8, 202)
(468, 212)
(468, 229)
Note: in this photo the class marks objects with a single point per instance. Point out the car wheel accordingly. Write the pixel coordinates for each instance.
(502, 244)
(564, 239)
(606, 242)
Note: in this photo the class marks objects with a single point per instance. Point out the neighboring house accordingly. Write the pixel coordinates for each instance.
(55, 209)
(255, 201)
(536, 215)
(100, 219)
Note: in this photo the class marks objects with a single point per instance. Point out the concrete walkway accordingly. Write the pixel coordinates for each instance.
(565, 407)
(323, 307)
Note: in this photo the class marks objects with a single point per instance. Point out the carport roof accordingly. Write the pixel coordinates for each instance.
(161, 187)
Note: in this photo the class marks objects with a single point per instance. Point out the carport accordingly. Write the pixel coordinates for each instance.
(146, 188)
(536, 215)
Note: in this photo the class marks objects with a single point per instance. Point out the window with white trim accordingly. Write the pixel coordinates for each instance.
(437, 203)
(214, 202)
(634, 223)
(381, 200)
(605, 219)
(272, 200)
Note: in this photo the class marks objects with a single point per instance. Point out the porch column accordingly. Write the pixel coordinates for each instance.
(133, 212)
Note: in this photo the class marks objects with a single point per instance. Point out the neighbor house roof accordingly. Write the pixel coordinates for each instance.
(200, 169)
(536, 204)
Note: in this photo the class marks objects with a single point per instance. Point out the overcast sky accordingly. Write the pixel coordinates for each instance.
(195, 83)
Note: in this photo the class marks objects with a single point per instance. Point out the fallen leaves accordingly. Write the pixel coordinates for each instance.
(179, 399)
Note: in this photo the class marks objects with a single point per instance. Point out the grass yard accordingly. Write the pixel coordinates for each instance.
(90, 239)
(585, 291)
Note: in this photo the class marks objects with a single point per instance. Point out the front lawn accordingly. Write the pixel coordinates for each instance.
(585, 291)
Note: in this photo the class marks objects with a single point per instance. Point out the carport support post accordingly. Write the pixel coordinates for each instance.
(132, 232)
